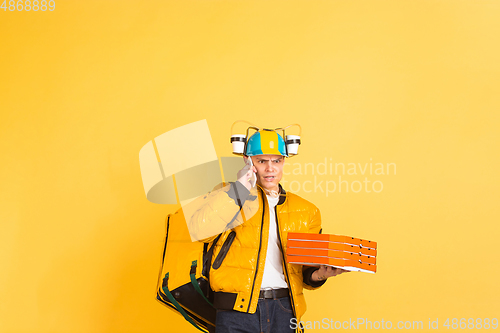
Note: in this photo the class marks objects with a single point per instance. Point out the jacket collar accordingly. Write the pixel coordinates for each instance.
(282, 195)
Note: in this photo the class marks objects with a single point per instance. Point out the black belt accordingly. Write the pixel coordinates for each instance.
(274, 293)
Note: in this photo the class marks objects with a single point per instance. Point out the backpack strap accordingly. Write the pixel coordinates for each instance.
(177, 305)
(195, 284)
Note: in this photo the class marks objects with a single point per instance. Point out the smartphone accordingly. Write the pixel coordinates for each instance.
(253, 179)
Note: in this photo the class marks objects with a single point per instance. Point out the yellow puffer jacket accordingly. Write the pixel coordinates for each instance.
(240, 253)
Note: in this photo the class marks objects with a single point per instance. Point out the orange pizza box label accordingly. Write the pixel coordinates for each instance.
(332, 238)
(347, 264)
(307, 244)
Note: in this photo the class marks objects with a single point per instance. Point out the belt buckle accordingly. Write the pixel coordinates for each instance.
(269, 294)
(266, 293)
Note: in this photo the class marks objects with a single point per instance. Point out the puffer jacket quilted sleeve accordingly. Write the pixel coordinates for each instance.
(219, 211)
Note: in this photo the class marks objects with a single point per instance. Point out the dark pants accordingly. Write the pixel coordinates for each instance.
(272, 316)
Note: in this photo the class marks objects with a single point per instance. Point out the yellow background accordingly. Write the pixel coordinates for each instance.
(84, 87)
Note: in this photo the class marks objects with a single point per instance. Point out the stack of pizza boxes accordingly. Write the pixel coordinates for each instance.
(349, 253)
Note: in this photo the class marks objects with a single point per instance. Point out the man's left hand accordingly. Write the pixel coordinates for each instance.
(324, 272)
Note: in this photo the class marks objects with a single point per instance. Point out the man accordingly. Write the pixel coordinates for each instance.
(255, 290)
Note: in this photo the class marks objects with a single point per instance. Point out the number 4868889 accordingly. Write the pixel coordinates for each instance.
(28, 5)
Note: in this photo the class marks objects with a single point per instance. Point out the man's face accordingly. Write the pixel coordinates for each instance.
(269, 170)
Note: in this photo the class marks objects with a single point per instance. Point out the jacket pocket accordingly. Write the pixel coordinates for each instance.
(224, 249)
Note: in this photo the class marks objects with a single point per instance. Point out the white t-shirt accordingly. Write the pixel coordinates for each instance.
(273, 270)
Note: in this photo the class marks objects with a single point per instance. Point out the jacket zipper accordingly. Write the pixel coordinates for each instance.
(284, 262)
(224, 249)
(260, 246)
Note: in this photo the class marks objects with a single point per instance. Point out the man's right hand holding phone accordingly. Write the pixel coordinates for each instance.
(246, 176)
